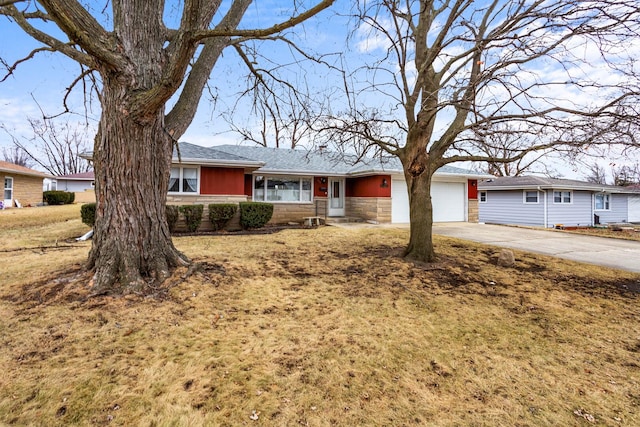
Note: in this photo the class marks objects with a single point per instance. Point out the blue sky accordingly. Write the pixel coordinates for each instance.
(41, 82)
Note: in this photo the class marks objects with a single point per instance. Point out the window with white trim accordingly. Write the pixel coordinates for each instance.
(482, 196)
(183, 180)
(602, 202)
(530, 196)
(285, 189)
(562, 197)
(8, 188)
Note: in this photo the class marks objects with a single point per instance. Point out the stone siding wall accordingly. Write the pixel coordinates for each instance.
(369, 208)
(26, 189)
(292, 212)
(473, 210)
(86, 196)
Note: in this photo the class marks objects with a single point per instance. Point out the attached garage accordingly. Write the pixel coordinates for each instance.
(634, 208)
(448, 199)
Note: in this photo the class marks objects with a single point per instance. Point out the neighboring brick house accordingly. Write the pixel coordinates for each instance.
(22, 185)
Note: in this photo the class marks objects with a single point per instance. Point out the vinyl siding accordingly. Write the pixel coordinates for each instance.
(507, 207)
(619, 211)
(577, 213)
(73, 186)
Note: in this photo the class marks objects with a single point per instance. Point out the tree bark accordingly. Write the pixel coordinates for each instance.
(420, 247)
(131, 243)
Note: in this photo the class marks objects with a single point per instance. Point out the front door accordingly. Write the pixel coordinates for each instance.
(8, 192)
(336, 196)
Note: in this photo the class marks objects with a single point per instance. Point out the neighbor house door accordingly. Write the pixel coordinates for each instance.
(8, 192)
(336, 197)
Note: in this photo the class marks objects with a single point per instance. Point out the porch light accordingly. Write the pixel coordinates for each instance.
(384, 183)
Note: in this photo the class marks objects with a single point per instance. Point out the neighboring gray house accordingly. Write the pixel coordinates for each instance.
(547, 202)
(75, 182)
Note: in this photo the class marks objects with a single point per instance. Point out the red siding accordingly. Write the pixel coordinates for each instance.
(320, 186)
(227, 181)
(369, 186)
(472, 188)
(248, 185)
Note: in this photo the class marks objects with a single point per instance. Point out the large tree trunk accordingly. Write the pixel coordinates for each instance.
(131, 244)
(420, 246)
(418, 170)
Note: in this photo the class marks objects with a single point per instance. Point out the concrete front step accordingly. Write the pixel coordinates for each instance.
(342, 219)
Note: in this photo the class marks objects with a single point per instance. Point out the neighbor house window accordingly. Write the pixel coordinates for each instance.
(183, 180)
(531, 197)
(483, 196)
(281, 189)
(603, 202)
(8, 189)
(562, 197)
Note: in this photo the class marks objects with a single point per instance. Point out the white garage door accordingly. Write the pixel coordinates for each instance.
(447, 199)
(399, 201)
(634, 209)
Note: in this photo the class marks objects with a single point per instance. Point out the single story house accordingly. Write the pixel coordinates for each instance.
(22, 186)
(547, 202)
(304, 183)
(75, 182)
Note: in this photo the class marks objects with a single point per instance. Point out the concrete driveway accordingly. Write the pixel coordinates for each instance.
(615, 253)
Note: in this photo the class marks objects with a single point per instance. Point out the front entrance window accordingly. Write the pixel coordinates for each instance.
(337, 201)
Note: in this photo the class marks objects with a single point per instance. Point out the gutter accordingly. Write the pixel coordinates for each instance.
(546, 209)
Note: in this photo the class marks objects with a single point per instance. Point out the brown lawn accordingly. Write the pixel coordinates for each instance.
(315, 327)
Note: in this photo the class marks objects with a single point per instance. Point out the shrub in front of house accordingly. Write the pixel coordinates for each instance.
(255, 214)
(172, 212)
(88, 214)
(58, 197)
(221, 213)
(192, 216)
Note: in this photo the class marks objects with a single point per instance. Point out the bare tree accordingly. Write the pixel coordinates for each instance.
(283, 119)
(442, 76)
(282, 104)
(55, 147)
(504, 145)
(16, 155)
(139, 64)
(595, 173)
(625, 175)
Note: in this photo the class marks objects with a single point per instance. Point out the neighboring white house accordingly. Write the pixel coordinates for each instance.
(547, 202)
(75, 182)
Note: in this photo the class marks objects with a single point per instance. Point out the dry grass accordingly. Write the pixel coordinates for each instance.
(323, 327)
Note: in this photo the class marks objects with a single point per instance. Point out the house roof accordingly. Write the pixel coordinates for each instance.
(281, 160)
(543, 183)
(296, 162)
(8, 167)
(82, 176)
(191, 153)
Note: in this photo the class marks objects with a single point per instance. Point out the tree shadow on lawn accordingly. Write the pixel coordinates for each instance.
(460, 269)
